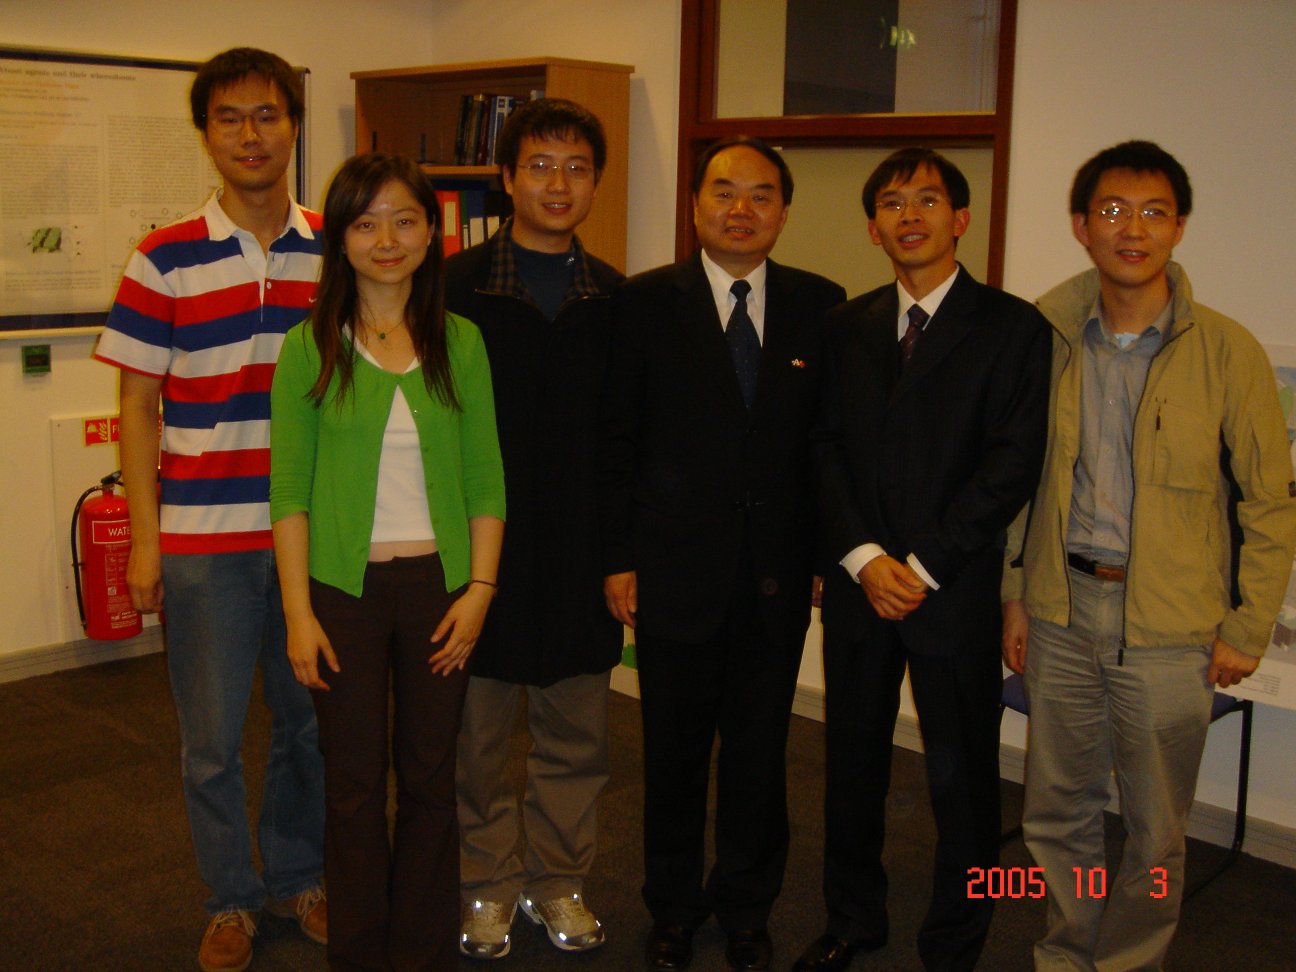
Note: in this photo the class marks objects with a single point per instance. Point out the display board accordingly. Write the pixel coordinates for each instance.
(95, 152)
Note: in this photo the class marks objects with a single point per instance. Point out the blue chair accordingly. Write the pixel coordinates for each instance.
(1014, 697)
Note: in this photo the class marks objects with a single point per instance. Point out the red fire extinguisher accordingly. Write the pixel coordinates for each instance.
(99, 562)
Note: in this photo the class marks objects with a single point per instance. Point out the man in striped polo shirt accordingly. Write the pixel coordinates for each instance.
(198, 320)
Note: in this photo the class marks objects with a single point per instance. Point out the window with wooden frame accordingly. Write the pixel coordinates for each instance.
(837, 86)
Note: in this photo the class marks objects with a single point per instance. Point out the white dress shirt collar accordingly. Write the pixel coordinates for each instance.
(930, 303)
(721, 281)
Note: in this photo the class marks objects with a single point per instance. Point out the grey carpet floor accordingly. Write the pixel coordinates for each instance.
(96, 871)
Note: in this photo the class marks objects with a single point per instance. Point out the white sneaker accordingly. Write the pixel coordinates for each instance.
(571, 926)
(485, 932)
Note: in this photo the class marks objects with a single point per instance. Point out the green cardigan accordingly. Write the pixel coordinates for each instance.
(324, 460)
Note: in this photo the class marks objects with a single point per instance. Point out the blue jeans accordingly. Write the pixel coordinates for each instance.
(223, 616)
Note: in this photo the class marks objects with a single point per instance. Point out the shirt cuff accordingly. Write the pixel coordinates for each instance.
(855, 560)
(916, 565)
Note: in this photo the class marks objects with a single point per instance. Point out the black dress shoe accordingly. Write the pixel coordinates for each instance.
(749, 950)
(828, 953)
(669, 947)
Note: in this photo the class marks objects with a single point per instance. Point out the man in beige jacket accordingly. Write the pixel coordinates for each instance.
(1126, 600)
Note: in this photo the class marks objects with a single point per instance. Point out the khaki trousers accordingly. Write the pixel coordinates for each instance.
(566, 770)
(1144, 714)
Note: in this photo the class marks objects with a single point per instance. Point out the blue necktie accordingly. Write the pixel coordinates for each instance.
(744, 345)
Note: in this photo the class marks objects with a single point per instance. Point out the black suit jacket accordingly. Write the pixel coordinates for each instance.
(697, 493)
(935, 460)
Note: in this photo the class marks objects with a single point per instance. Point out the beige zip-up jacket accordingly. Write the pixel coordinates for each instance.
(1210, 393)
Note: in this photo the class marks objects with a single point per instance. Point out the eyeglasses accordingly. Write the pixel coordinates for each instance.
(231, 122)
(1118, 214)
(924, 202)
(542, 169)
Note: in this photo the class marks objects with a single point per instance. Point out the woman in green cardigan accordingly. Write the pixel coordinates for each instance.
(387, 502)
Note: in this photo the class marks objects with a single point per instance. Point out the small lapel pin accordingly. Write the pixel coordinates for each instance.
(798, 363)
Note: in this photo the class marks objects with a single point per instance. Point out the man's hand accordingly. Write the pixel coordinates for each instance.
(144, 578)
(892, 588)
(621, 591)
(1016, 627)
(1228, 665)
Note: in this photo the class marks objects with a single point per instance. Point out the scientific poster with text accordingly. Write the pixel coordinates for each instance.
(92, 158)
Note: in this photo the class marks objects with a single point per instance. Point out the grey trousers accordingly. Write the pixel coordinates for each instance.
(1092, 711)
(566, 770)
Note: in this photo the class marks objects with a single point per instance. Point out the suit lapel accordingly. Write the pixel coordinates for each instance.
(879, 350)
(778, 344)
(952, 324)
(702, 329)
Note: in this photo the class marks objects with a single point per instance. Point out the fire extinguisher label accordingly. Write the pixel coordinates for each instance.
(104, 532)
(102, 431)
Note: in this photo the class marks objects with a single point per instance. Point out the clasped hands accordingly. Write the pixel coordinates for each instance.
(893, 588)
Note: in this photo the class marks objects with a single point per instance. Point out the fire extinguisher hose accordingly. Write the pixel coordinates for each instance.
(112, 479)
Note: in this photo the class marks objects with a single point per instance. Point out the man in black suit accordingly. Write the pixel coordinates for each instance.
(708, 542)
(930, 440)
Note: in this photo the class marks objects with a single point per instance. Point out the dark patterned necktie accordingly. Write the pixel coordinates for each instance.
(744, 345)
(917, 321)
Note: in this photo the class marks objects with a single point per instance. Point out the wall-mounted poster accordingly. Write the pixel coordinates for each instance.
(95, 152)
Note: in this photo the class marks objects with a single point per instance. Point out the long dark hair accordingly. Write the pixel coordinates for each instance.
(336, 300)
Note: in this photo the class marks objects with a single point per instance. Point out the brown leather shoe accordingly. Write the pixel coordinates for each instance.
(227, 945)
(309, 909)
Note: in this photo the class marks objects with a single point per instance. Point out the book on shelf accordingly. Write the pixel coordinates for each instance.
(472, 117)
(501, 107)
(481, 116)
(465, 112)
(473, 204)
(451, 240)
(472, 211)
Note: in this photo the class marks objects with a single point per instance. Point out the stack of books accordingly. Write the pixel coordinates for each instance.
(481, 116)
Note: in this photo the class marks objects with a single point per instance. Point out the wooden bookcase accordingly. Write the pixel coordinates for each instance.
(414, 111)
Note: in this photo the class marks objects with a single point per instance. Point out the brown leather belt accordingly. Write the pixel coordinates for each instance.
(1105, 572)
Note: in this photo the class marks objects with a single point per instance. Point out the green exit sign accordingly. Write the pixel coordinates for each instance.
(36, 359)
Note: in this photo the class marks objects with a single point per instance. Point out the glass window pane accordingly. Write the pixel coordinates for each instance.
(816, 57)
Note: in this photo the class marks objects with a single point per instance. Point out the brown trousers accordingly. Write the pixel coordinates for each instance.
(392, 905)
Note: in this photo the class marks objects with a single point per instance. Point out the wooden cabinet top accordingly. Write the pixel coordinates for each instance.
(517, 67)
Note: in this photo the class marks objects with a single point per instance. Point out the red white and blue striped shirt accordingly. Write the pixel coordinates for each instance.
(204, 308)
